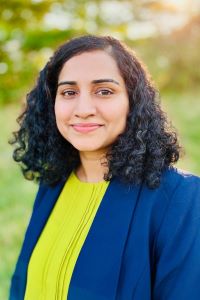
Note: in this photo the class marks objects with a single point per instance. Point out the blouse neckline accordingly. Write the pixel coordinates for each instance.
(75, 177)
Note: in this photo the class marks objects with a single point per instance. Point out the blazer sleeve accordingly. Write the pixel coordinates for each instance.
(177, 250)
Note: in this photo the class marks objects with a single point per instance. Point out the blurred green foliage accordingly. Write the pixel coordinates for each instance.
(31, 30)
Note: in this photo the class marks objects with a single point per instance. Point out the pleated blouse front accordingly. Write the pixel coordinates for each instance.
(55, 254)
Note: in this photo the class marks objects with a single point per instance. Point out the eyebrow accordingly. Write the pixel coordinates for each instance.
(93, 82)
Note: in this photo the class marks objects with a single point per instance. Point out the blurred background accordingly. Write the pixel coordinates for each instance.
(166, 36)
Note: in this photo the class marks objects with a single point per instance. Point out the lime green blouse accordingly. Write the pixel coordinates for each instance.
(53, 259)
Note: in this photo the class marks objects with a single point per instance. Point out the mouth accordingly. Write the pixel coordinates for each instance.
(85, 127)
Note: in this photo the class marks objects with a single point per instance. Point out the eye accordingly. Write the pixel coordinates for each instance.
(68, 93)
(104, 92)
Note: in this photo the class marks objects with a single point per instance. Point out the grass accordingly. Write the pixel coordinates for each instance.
(16, 198)
(184, 110)
(17, 195)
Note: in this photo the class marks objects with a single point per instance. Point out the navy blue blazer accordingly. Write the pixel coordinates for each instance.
(143, 244)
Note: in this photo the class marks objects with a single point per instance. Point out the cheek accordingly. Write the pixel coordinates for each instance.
(119, 113)
(61, 112)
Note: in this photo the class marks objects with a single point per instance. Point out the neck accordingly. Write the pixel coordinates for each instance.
(92, 167)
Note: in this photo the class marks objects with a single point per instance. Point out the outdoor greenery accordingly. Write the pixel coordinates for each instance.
(29, 33)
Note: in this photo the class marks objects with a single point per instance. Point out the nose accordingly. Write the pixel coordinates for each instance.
(85, 106)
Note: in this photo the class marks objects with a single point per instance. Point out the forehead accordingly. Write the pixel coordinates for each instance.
(95, 64)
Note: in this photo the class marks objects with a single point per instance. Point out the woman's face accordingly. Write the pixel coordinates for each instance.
(91, 104)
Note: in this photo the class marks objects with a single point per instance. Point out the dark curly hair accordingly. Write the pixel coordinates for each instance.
(147, 146)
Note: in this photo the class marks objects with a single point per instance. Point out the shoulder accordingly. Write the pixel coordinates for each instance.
(175, 203)
(45, 190)
(181, 191)
(173, 178)
(177, 186)
(180, 185)
(182, 212)
(42, 189)
(176, 182)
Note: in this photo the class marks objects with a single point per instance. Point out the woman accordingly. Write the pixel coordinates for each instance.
(112, 218)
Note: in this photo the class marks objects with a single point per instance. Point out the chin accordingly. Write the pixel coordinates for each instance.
(87, 147)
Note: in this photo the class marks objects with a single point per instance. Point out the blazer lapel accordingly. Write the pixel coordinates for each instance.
(97, 268)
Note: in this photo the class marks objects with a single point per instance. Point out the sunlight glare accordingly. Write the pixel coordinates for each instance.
(178, 4)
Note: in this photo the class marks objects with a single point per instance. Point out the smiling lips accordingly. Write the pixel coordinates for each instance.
(86, 127)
